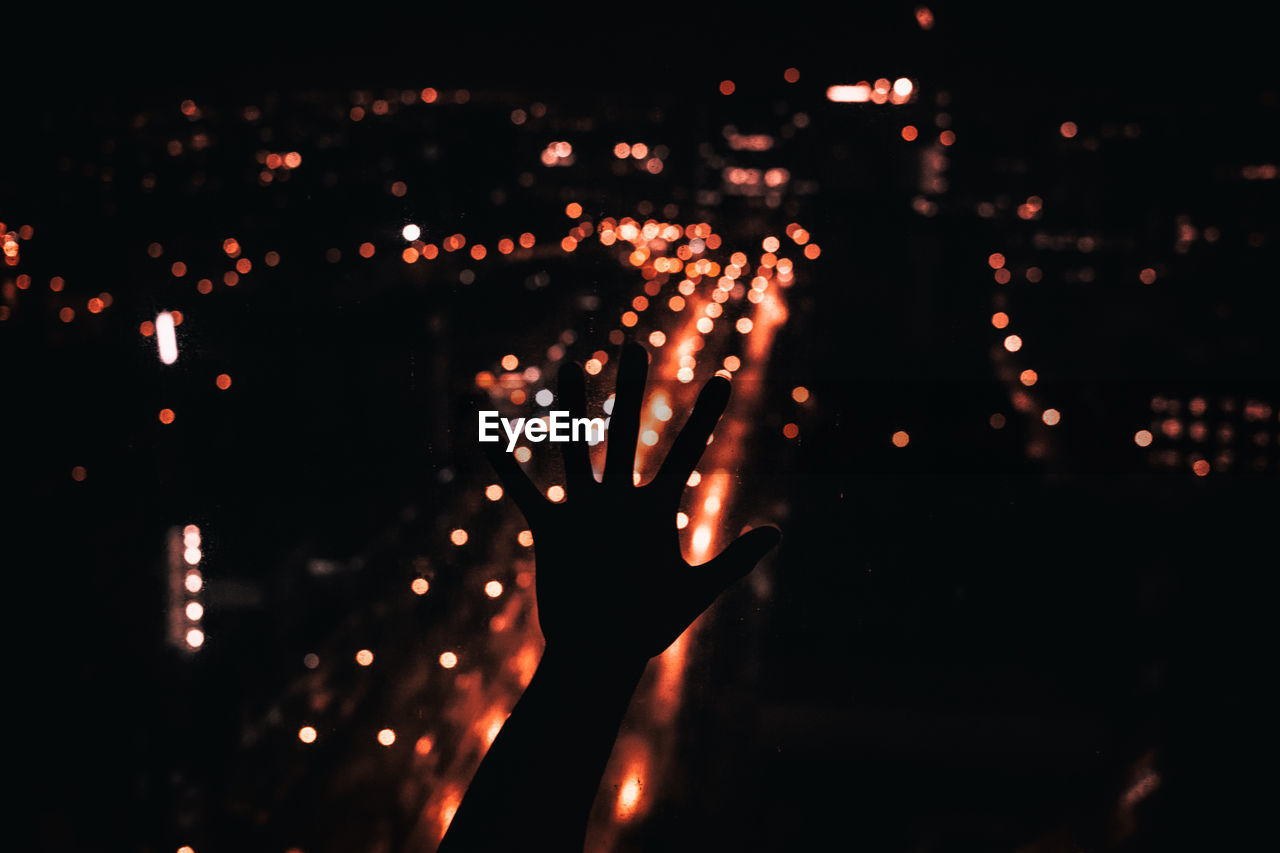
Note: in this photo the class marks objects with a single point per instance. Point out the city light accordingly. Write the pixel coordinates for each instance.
(844, 94)
(166, 338)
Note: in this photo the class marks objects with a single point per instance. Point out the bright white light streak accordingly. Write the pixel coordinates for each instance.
(701, 542)
(629, 797)
(858, 94)
(165, 337)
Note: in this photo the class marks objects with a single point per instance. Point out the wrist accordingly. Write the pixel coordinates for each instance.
(591, 667)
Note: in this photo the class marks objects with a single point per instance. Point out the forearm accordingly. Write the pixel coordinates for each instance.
(539, 778)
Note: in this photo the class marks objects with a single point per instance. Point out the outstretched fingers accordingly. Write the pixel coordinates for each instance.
(624, 422)
(689, 445)
(577, 462)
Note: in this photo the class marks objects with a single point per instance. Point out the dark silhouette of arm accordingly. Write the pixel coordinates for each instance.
(613, 590)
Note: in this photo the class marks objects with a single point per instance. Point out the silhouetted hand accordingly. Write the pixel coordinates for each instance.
(613, 590)
(611, 580)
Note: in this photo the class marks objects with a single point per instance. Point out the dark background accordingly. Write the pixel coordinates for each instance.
(964, 647)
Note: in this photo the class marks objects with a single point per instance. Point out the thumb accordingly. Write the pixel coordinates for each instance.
(739, 558)
(714, 576)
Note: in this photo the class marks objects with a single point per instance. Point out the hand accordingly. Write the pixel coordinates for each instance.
(611, 580)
